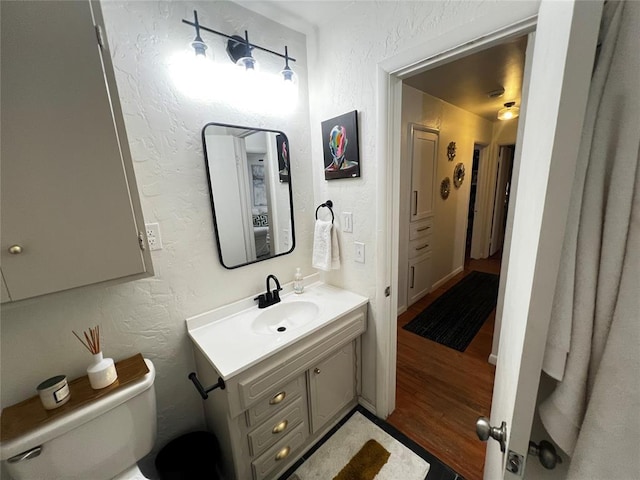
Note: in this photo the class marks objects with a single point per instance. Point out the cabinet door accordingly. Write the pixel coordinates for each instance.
(332, 385)
(419, 278)
(68, 194)
(424, 155)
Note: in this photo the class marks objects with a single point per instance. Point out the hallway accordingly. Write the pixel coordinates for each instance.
(440, 391)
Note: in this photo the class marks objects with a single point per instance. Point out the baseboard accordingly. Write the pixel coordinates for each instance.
(446, 278)
(401, 309)
(367, 405)
(493, 359)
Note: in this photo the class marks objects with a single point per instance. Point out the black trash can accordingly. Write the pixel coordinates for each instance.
(191, 456)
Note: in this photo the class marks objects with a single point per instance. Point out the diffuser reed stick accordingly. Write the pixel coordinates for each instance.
(92, 339)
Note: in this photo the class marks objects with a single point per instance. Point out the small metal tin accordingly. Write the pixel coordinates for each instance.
(54, 392)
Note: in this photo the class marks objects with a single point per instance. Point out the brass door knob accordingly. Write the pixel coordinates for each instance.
(15, 249)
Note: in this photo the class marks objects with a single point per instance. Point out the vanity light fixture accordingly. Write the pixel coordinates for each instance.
(198, 44)
(288, 75)
(508, 112)
(239, 49)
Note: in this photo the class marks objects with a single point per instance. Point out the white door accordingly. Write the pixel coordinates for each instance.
(546, 154)
(499, 205)
(424, 154)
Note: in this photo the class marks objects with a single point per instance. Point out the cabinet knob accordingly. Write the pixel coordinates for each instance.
(15, 249)
(316, 371)
(284, 453)
(280, 427)
(277, 398)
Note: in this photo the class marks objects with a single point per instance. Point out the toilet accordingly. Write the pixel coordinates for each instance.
(101, 440)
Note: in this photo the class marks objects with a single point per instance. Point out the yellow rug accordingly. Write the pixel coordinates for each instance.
(394, 461)
(365, 464)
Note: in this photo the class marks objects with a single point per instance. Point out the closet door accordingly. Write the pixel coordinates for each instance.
(424, 156)
(70, 209)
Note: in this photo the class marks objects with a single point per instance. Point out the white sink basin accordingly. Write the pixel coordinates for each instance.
(239, 335)
(283, 317)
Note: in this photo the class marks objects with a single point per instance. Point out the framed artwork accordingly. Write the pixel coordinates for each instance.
(340, 146)
(283, 158)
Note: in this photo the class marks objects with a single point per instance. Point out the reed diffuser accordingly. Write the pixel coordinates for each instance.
(102, 372)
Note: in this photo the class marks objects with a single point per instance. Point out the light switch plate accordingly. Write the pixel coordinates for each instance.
(359, 249)
(347, 222)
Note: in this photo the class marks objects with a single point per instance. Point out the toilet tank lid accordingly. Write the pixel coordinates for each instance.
(77, 417)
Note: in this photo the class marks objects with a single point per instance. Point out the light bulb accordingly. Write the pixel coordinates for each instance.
(249, 64)
(200, 47)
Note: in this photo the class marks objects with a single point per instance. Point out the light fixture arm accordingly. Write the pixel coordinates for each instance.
(199, 27)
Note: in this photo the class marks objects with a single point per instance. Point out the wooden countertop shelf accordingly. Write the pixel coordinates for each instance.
(30, 414)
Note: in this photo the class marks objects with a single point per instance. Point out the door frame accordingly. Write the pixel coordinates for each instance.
(390, 74)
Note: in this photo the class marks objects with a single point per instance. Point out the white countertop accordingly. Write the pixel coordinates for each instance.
(226, 339)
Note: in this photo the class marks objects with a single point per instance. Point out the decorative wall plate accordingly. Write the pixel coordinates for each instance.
(458, 175)
(445, 188)
(451, 151)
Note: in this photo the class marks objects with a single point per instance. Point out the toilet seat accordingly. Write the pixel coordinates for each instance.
(132, 473)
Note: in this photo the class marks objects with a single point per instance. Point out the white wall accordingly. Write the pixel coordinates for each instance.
(344, 58)
(450, 215)
(164, 127)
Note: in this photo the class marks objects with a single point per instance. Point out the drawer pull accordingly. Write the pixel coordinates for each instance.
(280, 427)
(284, 453)
(422, 247)
(423, 229)
(316, 371)
(277, 398)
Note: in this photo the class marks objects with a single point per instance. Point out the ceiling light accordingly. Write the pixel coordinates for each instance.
(508, 112)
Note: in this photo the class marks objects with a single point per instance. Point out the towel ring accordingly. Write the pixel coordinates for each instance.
(327, 204)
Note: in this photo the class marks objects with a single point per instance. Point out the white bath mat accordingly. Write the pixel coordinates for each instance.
(337, 451)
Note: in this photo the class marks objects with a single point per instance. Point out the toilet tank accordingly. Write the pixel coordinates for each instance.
(96, 441)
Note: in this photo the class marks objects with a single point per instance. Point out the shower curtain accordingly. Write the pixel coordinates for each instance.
(593, 347)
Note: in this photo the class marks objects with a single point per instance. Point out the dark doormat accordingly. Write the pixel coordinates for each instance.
(455, 317)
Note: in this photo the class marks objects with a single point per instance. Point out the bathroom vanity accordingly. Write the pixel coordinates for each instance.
(290, 371)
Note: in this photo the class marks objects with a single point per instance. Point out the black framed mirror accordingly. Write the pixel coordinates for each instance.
(250, 187)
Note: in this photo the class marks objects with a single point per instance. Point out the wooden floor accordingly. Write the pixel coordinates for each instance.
(440, 392)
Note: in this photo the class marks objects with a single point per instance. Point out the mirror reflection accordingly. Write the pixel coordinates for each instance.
(250, 187)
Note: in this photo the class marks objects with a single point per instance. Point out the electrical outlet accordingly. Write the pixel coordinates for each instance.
(347, 222)
(153, 236)
(359, 249)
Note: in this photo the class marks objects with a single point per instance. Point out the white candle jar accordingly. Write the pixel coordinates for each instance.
(102, 372)
(54, 392)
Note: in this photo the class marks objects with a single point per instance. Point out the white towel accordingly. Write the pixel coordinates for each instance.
(593, 412)
(326, 254)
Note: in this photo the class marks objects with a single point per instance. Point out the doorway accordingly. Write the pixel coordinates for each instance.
(501, 198)
(441, 391)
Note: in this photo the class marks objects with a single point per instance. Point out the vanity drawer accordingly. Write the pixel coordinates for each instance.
(420, 246)
(280, 452)
(276, 427)
(420, 229)
(274, 402)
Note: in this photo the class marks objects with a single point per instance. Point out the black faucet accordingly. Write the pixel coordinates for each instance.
(271, 297)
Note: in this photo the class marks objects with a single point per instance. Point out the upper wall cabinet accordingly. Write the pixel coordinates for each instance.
(71, 215)
(424, 155)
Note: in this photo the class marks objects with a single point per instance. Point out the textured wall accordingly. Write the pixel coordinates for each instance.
(163, 126)
(450, 215)
(352, 40)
